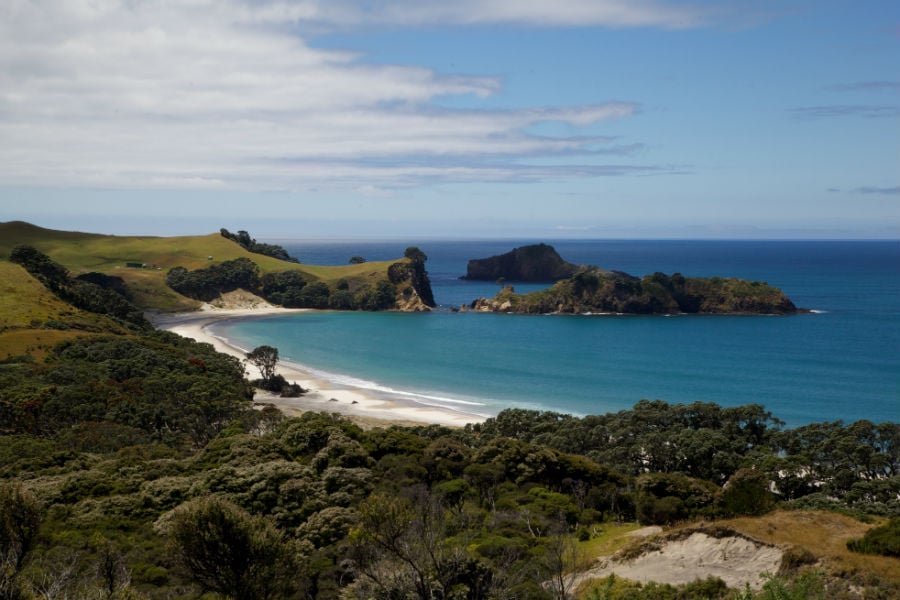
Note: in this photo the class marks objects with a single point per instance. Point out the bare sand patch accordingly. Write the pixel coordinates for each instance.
(736, 559)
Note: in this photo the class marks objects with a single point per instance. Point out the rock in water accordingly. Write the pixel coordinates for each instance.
(538, 262)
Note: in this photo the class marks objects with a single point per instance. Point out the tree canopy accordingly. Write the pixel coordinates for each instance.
(264, 358)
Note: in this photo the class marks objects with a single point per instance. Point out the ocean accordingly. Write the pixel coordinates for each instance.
(842, 362)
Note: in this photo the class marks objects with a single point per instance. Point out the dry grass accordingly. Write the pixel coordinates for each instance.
(825, 535)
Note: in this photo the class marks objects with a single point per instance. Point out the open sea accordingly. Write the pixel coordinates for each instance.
(841, 362)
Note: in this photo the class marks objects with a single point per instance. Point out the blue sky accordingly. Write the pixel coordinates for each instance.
(466, 118)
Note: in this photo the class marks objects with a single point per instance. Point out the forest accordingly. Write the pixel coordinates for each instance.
(135, 464)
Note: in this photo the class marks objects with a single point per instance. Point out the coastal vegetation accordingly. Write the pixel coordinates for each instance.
(134, 464)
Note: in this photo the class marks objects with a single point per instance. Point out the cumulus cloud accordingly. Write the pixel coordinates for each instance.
(226, 94)
(607, 13)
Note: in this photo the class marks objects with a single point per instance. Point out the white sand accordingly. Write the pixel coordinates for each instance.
(738, 561)
(324, 396)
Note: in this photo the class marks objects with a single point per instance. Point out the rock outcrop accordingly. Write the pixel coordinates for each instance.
(537, 263)
(414, 293)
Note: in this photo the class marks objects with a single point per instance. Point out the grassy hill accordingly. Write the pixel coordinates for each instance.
(109, 254)
(33, 320)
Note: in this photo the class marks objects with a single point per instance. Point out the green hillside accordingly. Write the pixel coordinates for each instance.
(88, 252)
(33, 320)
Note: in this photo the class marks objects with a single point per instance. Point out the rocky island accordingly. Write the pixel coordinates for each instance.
(535, 263)
(592, 290)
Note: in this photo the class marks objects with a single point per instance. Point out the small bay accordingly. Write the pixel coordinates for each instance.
(842, 362)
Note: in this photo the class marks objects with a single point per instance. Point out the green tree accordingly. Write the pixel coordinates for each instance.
(284, 288)
(747, 493)
(314, 295)
(228, 551)
(264, 358)
(401, 550)
(414, 254)
(40, 265)
(208, 283)
(20, 517)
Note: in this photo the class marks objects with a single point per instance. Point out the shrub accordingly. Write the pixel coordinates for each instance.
(883, 540)
(746, 493)
(226, 550)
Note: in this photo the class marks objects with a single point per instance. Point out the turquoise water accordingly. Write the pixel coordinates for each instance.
(843, 362)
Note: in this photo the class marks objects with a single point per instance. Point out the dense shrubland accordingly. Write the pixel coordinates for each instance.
(156, 387)
(317, 507)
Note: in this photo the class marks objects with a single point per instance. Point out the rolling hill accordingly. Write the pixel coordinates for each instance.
(111, 255)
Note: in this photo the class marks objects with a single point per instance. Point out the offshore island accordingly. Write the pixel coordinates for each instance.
(592, 290)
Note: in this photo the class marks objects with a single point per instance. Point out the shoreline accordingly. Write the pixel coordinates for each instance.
(367, 408)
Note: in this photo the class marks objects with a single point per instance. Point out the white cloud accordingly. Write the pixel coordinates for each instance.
(579, 13)
(225, 94)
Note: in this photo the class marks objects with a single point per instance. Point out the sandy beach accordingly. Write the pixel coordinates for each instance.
(366, 407)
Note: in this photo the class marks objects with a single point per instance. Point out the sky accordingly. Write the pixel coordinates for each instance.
(453, 118)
